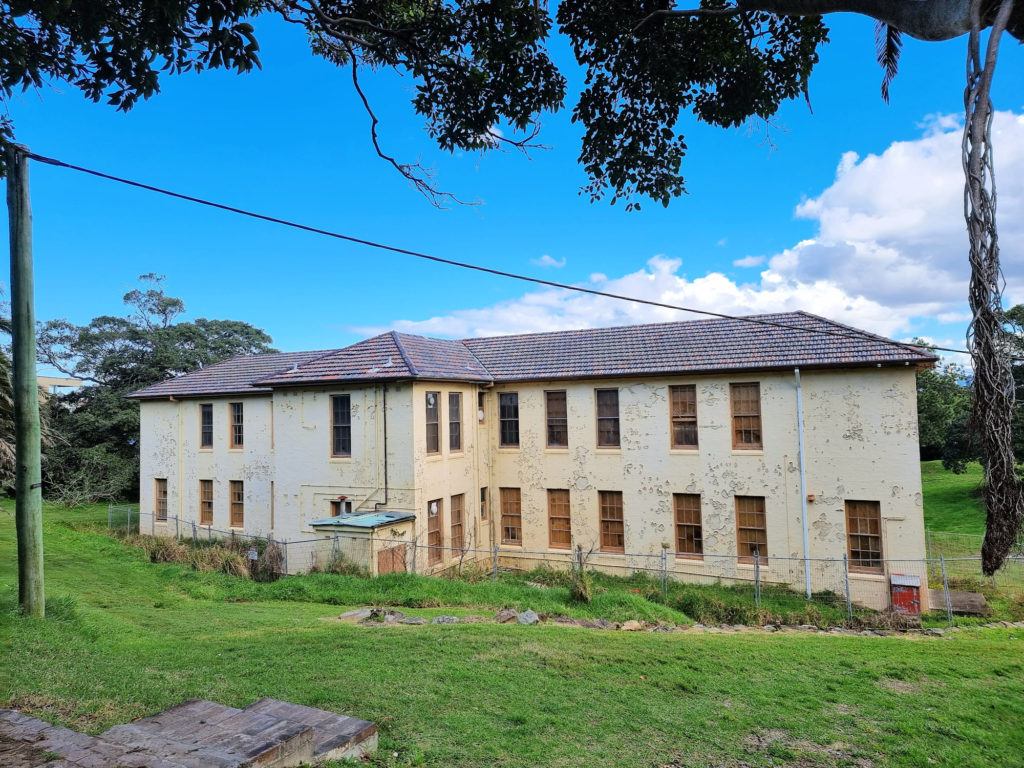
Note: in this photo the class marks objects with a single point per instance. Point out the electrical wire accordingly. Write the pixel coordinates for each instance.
(853, 334)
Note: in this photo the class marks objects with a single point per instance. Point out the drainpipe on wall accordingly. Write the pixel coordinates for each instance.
(378, 504)
(803, 478)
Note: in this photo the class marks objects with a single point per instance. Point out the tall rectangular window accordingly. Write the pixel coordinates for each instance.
(613, 526)
(160, 498)
(508, 417)
(607, 418)
(746, 416)
(435, 513)
(689, 536)
(458, 532)
(559, 523)
(433, 422)
(454, 421)
(558, 419)
(237, 495)
(683, 408)
(206, 425)
(341, 425)
(206, 502)
(481, 407)
(483, 503)
(237, 434)
(751, 529)
(864, 535)
(511, 516)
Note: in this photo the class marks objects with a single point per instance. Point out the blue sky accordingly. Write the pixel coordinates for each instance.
(765, 226)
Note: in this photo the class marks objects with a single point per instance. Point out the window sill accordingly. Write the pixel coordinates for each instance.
(556, 449)
(608, 449)
(867, 575)
(433, 457)
(748, 451)
(691, 558)
(508, 449)
(236, 449)
(750, 566)
(684, 451)
(205, 450)
(517, 544)
(341, 459)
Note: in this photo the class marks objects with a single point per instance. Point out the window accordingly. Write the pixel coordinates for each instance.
(341, 425)
(433, 422)
(751, 532)
(613, 530)
(511, 516)
(481, 407)
(746, 416)
(689, 538)
(237, 504)
(434, 513)
(683, 405)
(237, 434)
(607, 418)
(508, 416)
(206, 502)
(559, 526)
(864, 535)
(160, 499)
(340, 507)
(206, 425)
(483, 503)
(454, 421)
(558, 419)
(458, 537)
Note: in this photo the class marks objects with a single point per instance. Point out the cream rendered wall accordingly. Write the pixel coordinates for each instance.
(169, 448)
(861, 443)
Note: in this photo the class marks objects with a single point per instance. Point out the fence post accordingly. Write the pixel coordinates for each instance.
(927, 542)
(945, 590)
(495, 575)
(757, 579)
(193, 531)
(846, 578)
(664, 573)
(284, 547)
(110, 515)
(177, 526)
(415, 551)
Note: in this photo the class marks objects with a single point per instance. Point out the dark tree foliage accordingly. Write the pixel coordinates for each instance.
(97, 429)
(943, 398)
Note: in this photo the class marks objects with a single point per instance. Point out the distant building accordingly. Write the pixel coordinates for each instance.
(623, 441)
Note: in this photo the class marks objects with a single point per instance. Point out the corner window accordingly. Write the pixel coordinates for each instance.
(746, 416)
(206, 425)
(454, 421)
(683, 410)
(864, 536)
(237, 418)
(341, 425)
(613, 526)
(751, 529)
(607, 418)
(433, 422)
(160, 499)
(689, 536)
(557, 418)
(508, 416)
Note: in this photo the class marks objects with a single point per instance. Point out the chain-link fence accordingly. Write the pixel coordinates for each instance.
(123, 517)
(962, 554)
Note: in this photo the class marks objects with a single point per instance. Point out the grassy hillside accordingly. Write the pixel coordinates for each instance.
(952, 502)
(124, 640)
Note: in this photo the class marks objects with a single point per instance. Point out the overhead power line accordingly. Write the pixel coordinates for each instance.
(852, 334)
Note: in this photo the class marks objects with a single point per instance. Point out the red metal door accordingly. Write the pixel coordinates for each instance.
(906, 599)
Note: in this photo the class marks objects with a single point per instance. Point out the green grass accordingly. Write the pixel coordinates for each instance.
(952, 502)
(127, 638)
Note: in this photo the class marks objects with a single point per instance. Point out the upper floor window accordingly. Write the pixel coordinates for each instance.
(483, 503)
(683, 405)
(607, 418)
(481, 407)
(746, 416)
(864, 535)
(558, 419)
(237, 433)
(433, 422)
(689, 535)
(341, 425)
(751, 529)
(206, 425)
(613, 531)
(508, 416)
(454, 421)
(160, 498)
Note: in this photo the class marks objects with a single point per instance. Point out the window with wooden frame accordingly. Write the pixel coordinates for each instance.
(511, 516)
(508, 419)
(206, 502)
(237, 422)
(237, 496)
(435, 513)
(458, 504)
(483, 503)
(864, 536)
(481, 407)
(433, 422)
(746, 416)
(607, 418)
(341, 426)
(751, 529)
(689, 532)
(454, 421)
(341, 507)
(160, 498)
(557, 415)
(683, 411)
(206, 425)
(613, 526)
(559, 522)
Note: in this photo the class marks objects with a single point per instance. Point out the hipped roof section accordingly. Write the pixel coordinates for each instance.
(778, 341)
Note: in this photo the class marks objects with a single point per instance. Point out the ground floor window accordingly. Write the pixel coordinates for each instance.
(751, 529)
(237, 495)
(613, 526)
(206, 502)
(434, 515)
(689, 535)
(511, 516)
(559, 524)
(864, 535)
(458, 535)
(160, 499)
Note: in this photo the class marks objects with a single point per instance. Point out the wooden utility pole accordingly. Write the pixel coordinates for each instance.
(27, 472)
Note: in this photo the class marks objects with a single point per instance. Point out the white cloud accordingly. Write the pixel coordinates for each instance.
(548, 262)
(750, 261)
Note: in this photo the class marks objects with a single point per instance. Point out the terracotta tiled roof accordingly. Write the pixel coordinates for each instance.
(787, 340)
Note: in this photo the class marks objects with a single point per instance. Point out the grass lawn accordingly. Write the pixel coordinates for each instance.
(127, 638)
(951, 502)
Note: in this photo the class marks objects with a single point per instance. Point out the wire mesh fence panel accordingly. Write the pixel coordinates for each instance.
(123, 517)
